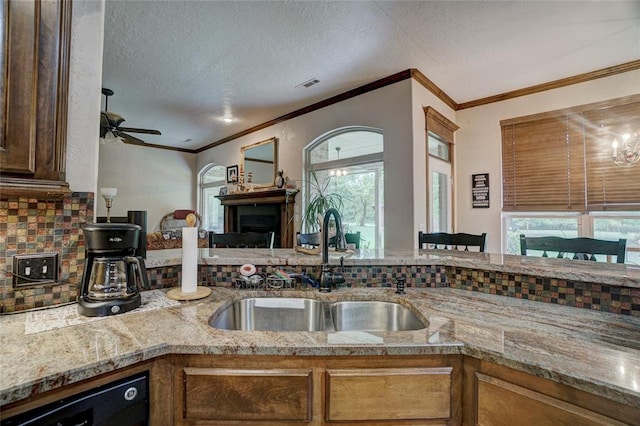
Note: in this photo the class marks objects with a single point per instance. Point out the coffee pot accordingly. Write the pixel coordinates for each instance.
(113, 274)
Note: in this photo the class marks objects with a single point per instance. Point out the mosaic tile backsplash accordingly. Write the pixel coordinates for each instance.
(31, 225)
(597, 297)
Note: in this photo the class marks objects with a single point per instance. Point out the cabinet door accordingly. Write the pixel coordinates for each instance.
(388, 394)
(35, 60)
(237, 394)
(20, 51)
(503, 403)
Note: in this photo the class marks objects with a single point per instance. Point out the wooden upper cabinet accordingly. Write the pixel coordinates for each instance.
(35, 68)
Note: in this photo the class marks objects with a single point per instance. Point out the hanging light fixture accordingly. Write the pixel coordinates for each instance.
(627, 153)
(337, 172)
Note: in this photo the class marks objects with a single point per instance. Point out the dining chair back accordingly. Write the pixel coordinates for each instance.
(351, 238)
(445, 241)
(241, 240)
(574, 248)
(308, 239)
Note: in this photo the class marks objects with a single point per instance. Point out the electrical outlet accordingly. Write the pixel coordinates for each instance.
(35, 269)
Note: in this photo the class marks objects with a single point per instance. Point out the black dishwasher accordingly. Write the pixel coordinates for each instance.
(121, 403)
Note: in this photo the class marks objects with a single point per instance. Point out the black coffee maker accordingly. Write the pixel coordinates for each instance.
(113, 274)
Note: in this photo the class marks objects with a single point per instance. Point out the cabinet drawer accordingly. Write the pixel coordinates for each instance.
(235, 394)
(504, 403)
(388, 394)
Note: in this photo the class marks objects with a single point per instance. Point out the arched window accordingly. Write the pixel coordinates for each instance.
(212, 178)
(349, 161)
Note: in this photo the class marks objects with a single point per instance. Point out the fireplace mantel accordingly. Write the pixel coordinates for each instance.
(276, 206)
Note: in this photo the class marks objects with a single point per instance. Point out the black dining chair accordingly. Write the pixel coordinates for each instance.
(574, 248)
(351, 238)
(445, 241)
(309, 239)
(241, 240)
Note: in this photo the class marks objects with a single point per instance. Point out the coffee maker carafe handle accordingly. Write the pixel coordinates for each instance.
(139, 272)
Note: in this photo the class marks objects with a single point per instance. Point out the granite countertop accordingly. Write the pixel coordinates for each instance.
(593, 351)
(621, 275)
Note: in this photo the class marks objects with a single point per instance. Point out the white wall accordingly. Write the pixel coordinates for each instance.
(478, 143)
(388, 108)
(156, 180)
(85, 77)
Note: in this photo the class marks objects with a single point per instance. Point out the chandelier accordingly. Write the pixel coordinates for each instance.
(338, 172)
(627, 153)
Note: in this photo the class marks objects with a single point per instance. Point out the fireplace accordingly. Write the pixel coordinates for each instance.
(261, 211)
(261, 218)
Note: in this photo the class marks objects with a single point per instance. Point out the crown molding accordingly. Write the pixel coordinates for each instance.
(580, 78)
(419, 77)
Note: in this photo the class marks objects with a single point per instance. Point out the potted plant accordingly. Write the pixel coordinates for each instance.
(320, 200)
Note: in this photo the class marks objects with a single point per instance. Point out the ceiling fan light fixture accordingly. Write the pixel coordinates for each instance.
(111, 139)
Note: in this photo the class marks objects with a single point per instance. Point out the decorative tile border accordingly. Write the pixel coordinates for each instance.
(597, 297)
(31, 225)
(360, 276)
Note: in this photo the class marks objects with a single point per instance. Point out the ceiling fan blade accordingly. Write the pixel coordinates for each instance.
(134, 130)
(131, 139)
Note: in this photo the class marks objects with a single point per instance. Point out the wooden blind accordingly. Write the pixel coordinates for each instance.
(543, 165)
(611, 187)
(561, 161)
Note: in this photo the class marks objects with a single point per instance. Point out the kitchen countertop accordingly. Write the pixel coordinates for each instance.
(620, 275)
(592, 351)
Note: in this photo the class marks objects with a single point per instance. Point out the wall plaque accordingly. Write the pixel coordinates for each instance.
(480, 190)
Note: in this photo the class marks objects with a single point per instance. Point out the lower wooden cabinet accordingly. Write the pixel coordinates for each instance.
(495, 395)
(504, 403)
(350, 391)
(388, 394)
(247, 394)
(301, 390)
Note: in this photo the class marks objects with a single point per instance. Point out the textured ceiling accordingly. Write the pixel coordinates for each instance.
(182, 66)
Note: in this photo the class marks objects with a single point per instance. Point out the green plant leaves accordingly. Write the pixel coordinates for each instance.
(321, 199)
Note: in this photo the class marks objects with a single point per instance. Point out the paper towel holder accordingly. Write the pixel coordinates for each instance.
(200, 291)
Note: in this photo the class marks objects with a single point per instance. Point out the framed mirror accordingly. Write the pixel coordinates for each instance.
(261, 160)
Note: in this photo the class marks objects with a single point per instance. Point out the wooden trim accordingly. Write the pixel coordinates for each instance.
(431, 86)
(48, 189)
(440, 125)
(579, 109)
(62, 107)
(386, 81)
(580, 78)
(426, 83)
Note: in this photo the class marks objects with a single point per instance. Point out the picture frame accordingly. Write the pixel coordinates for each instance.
(223, 191)
(232, 174)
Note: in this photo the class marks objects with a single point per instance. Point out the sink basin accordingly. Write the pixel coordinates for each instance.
(387, 316)
(272, 313)
(301, 314)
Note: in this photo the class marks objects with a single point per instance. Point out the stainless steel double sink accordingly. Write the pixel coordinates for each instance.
(303, 314)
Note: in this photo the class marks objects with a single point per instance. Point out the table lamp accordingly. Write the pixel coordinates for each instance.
(108, 194)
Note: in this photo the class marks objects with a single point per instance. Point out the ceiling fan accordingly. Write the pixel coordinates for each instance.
(110, 125)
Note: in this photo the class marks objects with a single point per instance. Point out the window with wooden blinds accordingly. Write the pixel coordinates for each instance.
(561, 160)
(611, 187)
(543, 165)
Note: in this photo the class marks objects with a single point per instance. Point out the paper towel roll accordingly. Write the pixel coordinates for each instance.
(189, 260)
